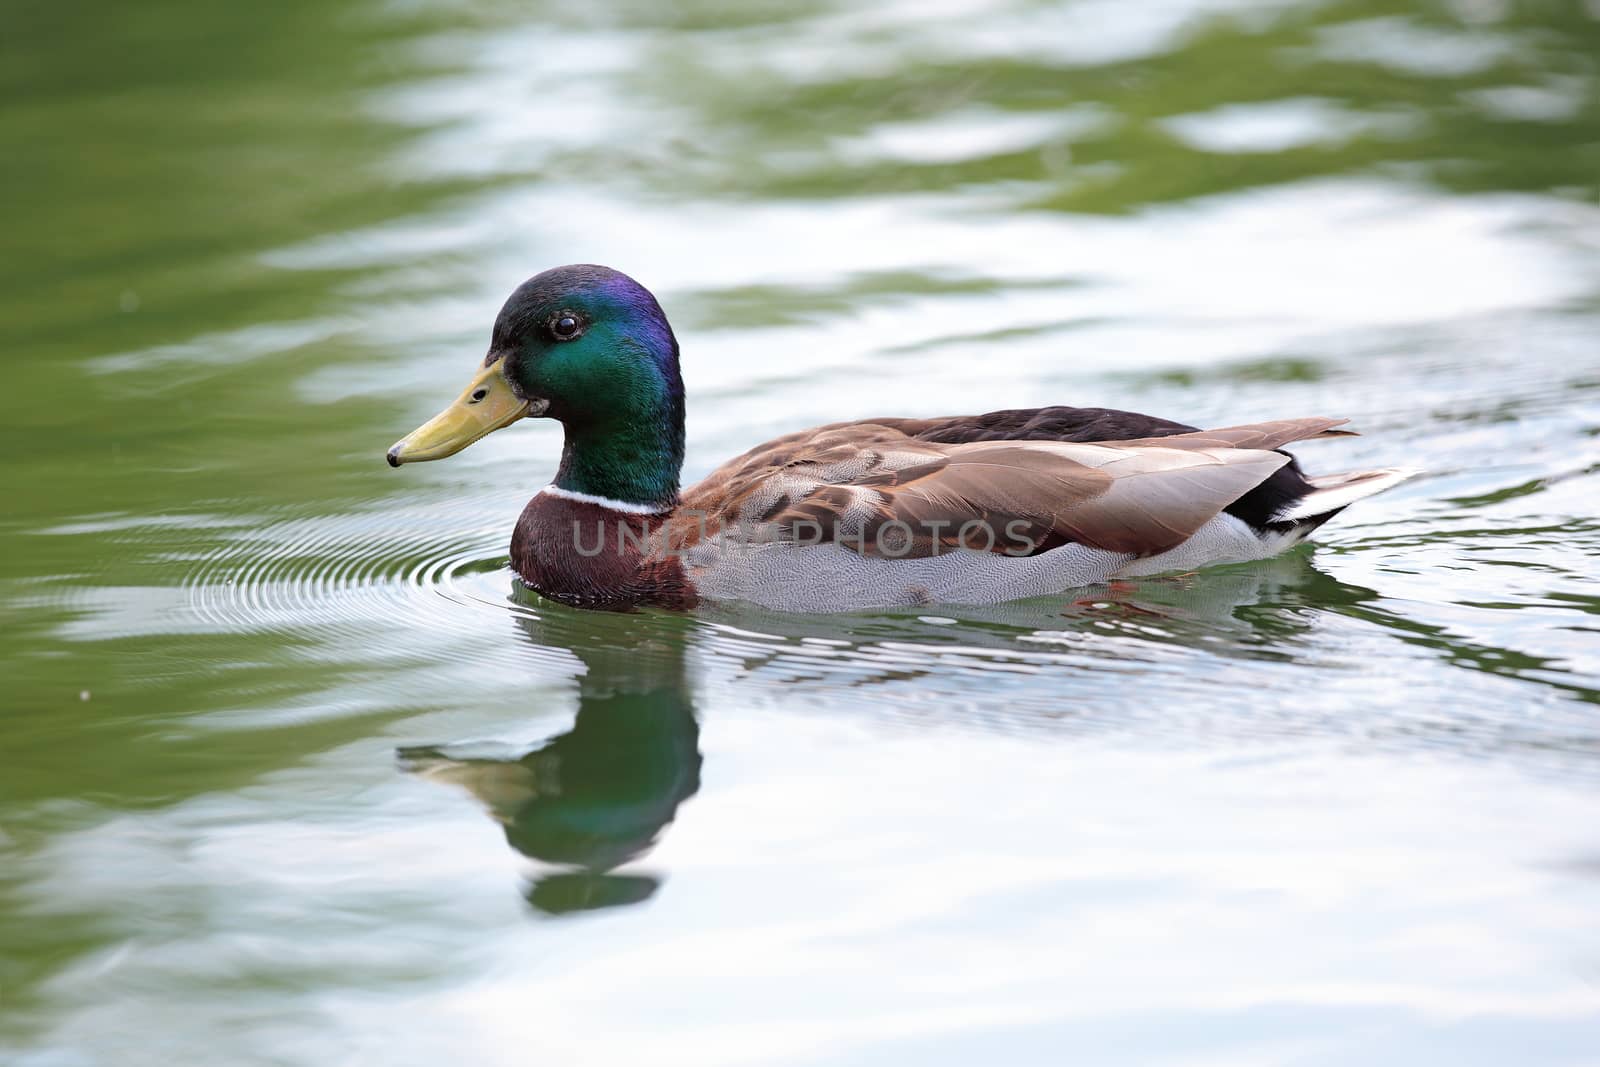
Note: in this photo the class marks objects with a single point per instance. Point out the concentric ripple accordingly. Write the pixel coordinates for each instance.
(336, 572)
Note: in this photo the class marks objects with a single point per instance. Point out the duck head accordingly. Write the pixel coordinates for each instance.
(590, 347)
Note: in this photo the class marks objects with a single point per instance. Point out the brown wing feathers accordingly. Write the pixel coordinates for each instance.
(1159, 498)
(1021, 499)
(1263, 435)
(995, 499)
(877, 489)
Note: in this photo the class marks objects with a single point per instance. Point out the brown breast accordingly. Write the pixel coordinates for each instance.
(590, 556)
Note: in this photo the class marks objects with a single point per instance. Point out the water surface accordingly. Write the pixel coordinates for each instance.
(295, 775)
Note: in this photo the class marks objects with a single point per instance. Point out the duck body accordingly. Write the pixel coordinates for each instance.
(874, 513)
(963, 510)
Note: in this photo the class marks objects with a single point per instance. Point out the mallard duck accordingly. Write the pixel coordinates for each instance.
(874, 513)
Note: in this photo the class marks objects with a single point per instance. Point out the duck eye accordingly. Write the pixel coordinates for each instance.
(565, 326)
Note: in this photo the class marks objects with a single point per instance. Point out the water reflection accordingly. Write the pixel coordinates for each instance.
(1079, 106)
(598, 796)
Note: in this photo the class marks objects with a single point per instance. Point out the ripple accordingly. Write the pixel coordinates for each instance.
(343, 572)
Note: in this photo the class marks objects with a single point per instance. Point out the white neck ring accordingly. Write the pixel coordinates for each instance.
(602, 501)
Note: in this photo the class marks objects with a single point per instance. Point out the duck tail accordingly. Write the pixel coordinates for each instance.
(1333, 492)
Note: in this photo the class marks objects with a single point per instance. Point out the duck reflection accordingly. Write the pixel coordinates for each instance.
(592, 799)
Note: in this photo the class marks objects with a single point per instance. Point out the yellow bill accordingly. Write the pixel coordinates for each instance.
(486, 405)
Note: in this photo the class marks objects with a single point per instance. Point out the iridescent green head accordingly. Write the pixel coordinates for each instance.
(588, 346)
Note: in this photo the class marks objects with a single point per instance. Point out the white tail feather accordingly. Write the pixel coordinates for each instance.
(1334, 491)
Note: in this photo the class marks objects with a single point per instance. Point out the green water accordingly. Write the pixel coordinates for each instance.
(293, 775)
